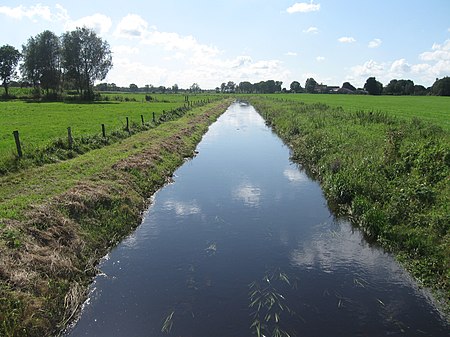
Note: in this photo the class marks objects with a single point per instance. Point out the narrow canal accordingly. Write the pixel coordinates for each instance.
(243, 243)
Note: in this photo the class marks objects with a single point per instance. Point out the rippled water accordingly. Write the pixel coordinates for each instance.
(243, 235)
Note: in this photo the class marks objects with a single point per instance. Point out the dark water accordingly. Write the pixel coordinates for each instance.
(241, 218)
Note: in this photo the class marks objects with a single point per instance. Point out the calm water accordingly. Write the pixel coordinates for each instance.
(241, 218)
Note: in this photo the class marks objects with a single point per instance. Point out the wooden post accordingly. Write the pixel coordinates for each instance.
(154, 120)
(128, 125)
(19, 148)
(142, 119)
(69, 137)
(103, 131)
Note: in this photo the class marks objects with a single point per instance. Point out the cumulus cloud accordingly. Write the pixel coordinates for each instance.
(303, 7)
(399, 67)
(375, 43)
(435, 63)
(346, 39)
(320, 58)
(291, 53)
(100, 23)
(191, 59)
(132, 26)
(35, 12)
(31, 12)
(311, 30)
(439, 52)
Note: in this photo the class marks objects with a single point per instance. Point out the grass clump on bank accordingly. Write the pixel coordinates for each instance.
(390, 175)
(58, 220)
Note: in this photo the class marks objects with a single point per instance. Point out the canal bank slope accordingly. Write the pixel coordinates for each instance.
(389, 176)
(58, 220)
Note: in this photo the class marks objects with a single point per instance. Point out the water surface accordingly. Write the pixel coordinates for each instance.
(243, 235)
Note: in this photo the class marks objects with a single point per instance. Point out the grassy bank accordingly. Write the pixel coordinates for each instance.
(58, 220)
(389, 174)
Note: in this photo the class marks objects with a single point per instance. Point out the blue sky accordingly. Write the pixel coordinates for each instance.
(210, 42)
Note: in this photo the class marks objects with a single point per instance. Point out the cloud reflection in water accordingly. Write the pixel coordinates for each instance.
(249, 194)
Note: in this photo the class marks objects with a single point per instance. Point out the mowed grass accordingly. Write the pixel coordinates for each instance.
(41, 123)
(434, 109)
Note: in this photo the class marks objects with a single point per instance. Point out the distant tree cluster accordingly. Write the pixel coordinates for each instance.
(262, 87)
(50, 63)
(441, 87)
(148, 88)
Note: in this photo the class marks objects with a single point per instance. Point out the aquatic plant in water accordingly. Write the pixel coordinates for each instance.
(269, 305)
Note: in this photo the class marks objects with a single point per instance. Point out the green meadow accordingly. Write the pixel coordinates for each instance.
(434, 109)
(42, 123)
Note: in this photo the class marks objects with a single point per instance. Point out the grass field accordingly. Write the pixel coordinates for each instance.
(434, 109)
(42, 123)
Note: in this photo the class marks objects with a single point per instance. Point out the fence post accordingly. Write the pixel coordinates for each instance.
(103, 131)
(69, 137)
(128, 126)
(142, 119)
(154, 120)
(19, 148)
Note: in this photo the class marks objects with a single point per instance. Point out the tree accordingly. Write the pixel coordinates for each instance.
(30, 65)
(420, 90)
(373, 87)
(348, 86)
(9, 58)
(296, 87)
(195, 88)
(230, 87)
(310, 85)
(42, 61)
(85, 58)
(399, 87)
(175, 88)
(133, 87)
(441, 87)
(245, 87)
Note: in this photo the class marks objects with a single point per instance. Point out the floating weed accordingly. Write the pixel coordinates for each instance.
(381, 302)
(358, 283)
(168, 323)
(211, 249)
(268, 304)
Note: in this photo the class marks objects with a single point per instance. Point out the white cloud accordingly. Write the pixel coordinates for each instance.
(311, 30)
(346, 39)
(132, 26)
(190, 60)
(439, 52)
(291, 53)
(435, 64)
(100, 23)
(303, 7)
(399, 68)
(126, 71)
(32, 12)
(320, 58)
(124, 50)
(375, 43)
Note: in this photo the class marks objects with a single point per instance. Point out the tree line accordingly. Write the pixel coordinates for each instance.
(441, 87)
(51, 64)
(262, 87)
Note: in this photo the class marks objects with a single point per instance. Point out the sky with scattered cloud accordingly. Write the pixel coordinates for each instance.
(178, 42)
